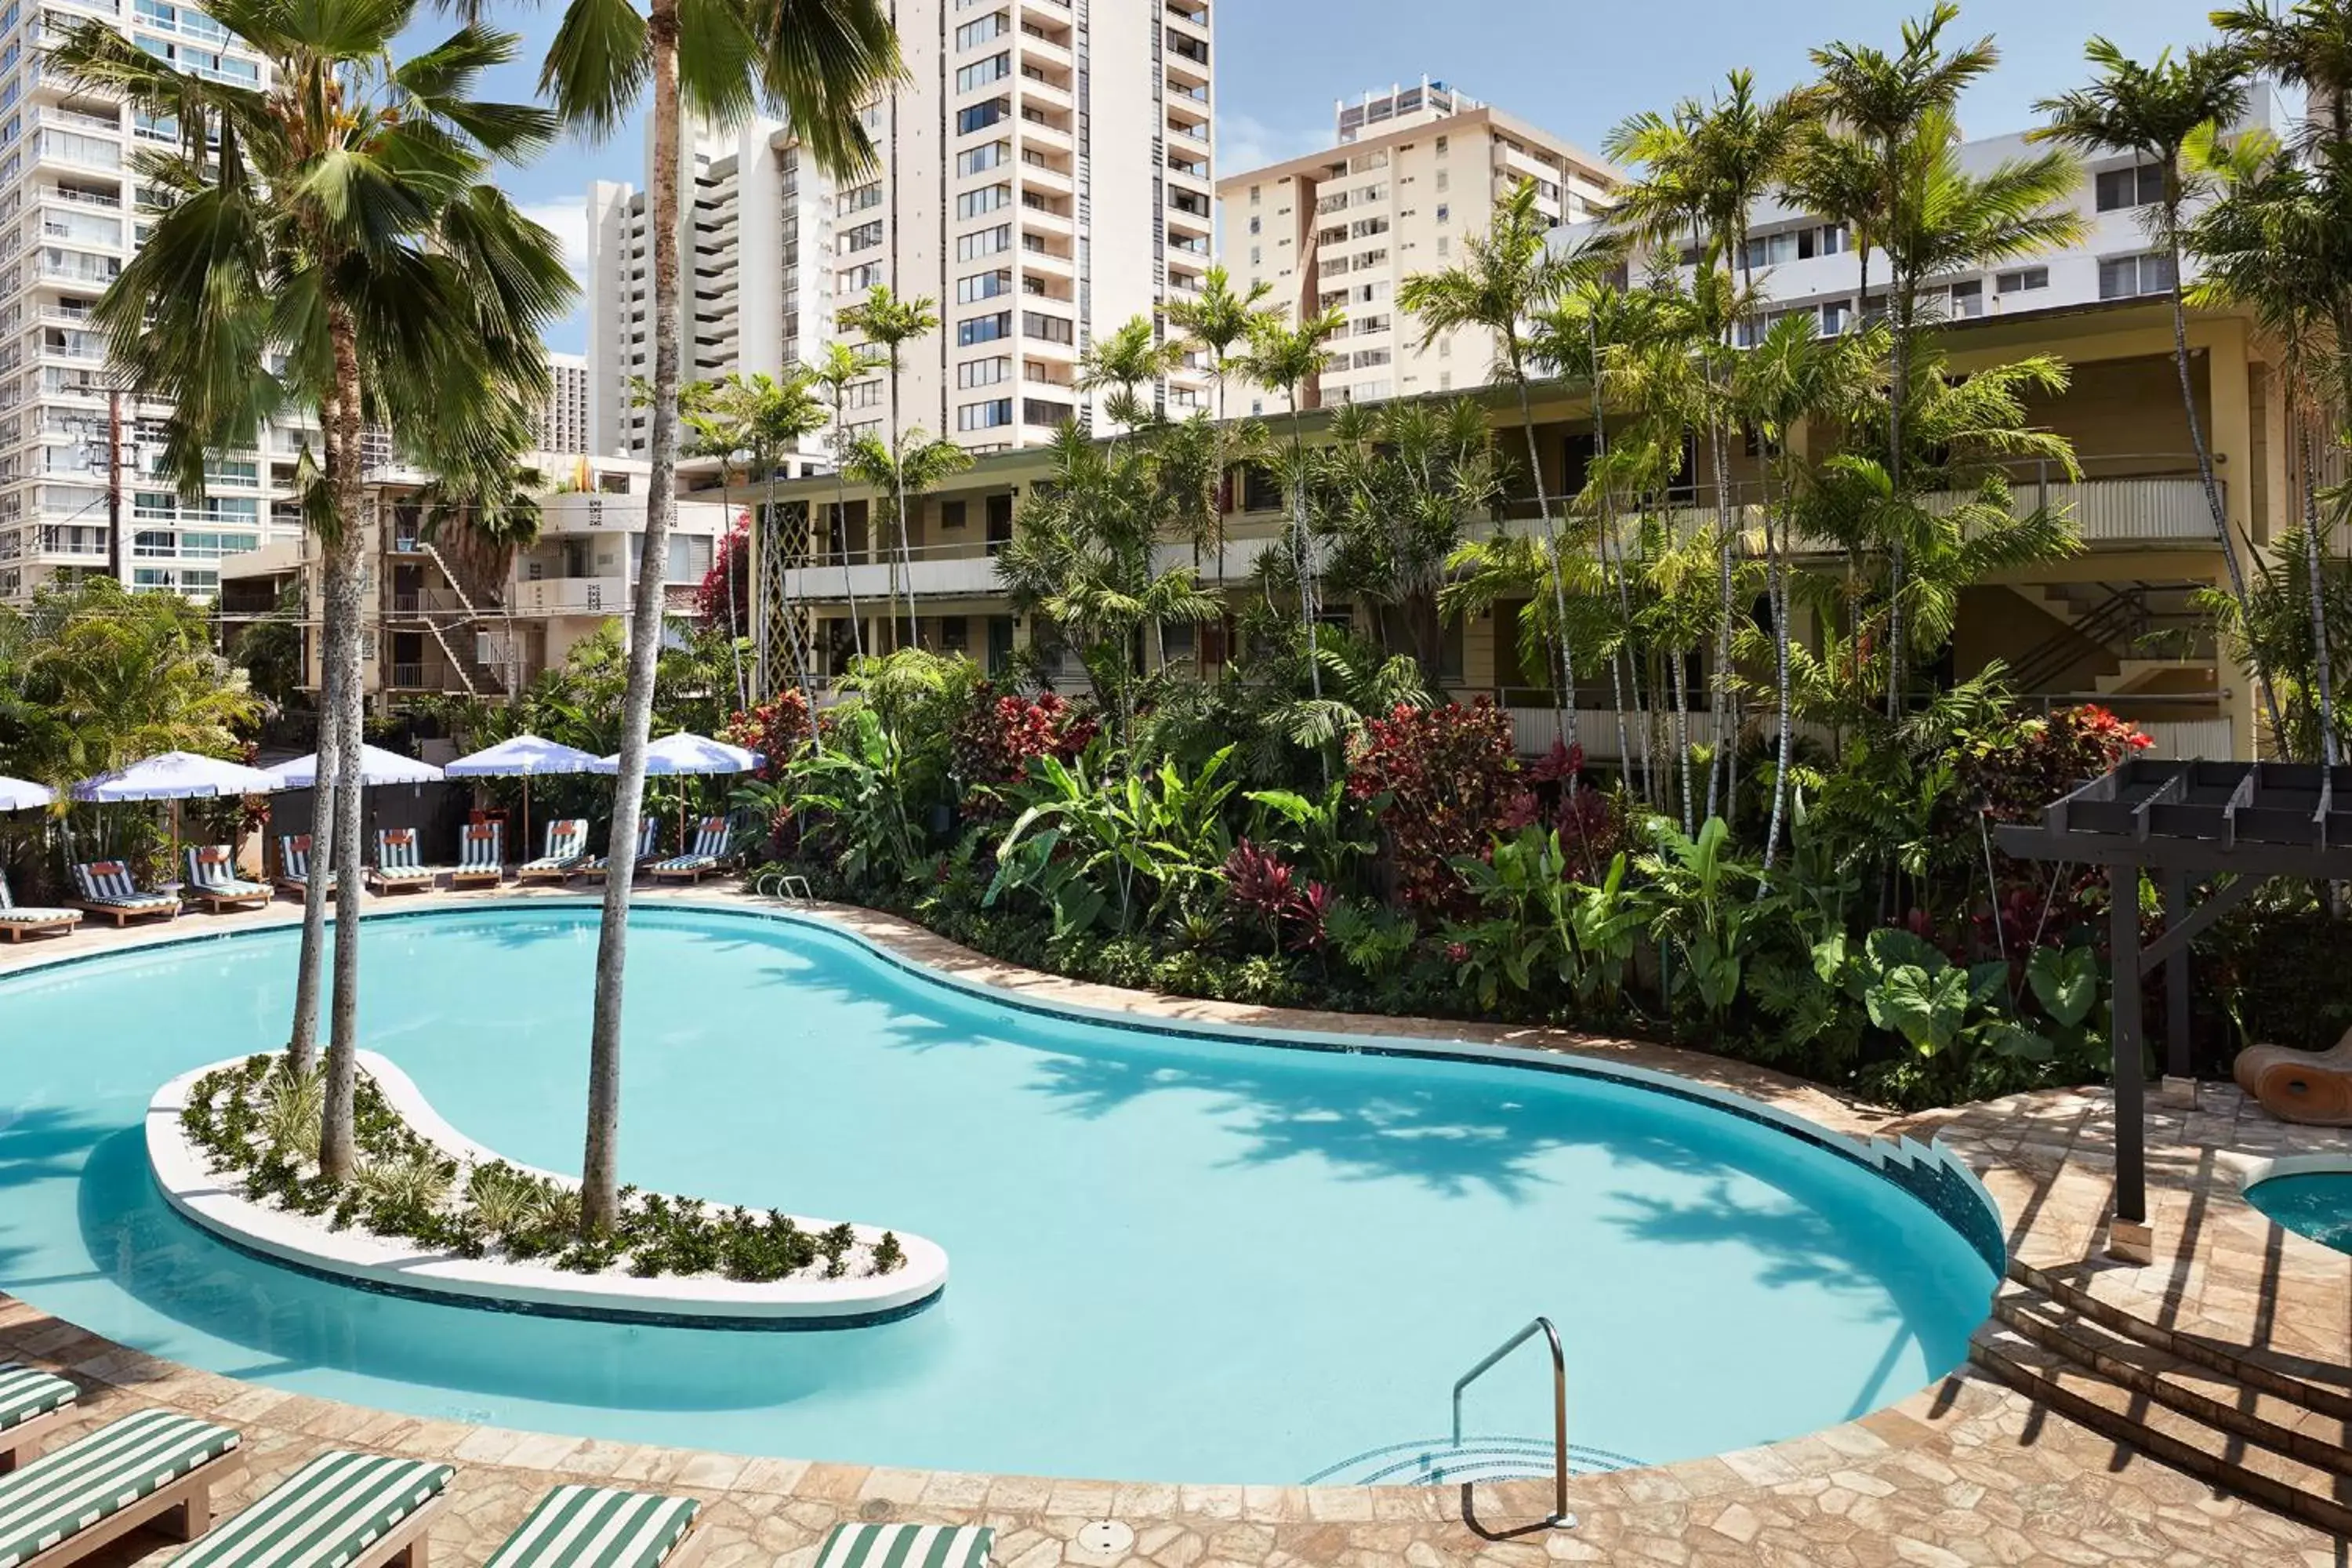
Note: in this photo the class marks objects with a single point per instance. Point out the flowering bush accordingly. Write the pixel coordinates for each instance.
(2015, 770)
(777, 729)
(724, 597)
(1447, 778)
(1000, 734)
(1593, 824)
(1265, 888)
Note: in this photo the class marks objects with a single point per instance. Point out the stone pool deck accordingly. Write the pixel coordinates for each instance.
(1969, 1473)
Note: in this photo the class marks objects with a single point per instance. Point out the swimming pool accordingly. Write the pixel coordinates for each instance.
(2313, 1203)
(1174, 1257)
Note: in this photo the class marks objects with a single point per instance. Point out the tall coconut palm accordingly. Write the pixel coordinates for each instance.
(715, 412)
(1284, 359)
(2305, 44)
(1216, 322)
(1505, 276)
(2157, 110)
(890, 322)
(840, 368)
(779, 416)
(818, 61)
(344, 219)
(903, 469)
(1122, 363)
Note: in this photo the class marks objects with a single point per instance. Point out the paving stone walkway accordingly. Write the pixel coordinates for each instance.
(1966, 1473)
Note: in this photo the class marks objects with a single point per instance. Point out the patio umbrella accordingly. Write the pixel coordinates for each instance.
(23, 794)
(377, 766)
(176, 776)
(681, 754)
(524, 757)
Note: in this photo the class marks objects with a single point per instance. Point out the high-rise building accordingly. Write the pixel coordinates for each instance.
(1412, 172)
(1044, 176)
(562, 423)
(80, 490)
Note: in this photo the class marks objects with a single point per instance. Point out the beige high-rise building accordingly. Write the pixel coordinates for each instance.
(1412, 172)
(1046, 176)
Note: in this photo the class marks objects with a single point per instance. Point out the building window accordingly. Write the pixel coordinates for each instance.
(952, 513)
(1255, 224)
(994, 155)
(2020, 280)
(1257, 255)
(858, 200)
(1967, 300)
(1445, 245)
(984, 372)
(2121, 189)
(863, 236)
(983, 286)
(1256, 192)
(1050, 416)
(1440, 146)
(1048, 329)
(971, 35)
(981, 116)
(987, 199)
(1444, 213)
(2127, 277)
(984, 328)
(984, 415)
(986, 242)
(996, 68)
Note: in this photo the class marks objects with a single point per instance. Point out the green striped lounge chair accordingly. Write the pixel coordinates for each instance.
(342, 1510)
(707, 857)
(601, 1527)
(396, 868)
(479, 860)
(567, 851)
(213, 880)
(648, 846)
(17, 922)
(106, 889)
(294, 864)
(32, 1403)
(907, 1546)
(152, 1468)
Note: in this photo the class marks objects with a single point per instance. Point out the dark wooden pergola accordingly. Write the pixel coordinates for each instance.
(2182, 822)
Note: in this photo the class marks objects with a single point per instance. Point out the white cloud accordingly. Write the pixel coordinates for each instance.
(567, 218)
(1245, 141)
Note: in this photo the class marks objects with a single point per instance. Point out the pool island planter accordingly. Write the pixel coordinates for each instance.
(397, 1265)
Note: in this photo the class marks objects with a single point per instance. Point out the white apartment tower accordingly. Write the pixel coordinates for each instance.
(562, 423)
(1044, 176)
(78, 454)
(1412, 172)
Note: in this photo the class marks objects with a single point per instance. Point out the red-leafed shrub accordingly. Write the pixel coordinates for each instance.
(997, 736)
(2013, 772)
(724, 597)
(777, 729)
(1449, 778)
(1265, 890)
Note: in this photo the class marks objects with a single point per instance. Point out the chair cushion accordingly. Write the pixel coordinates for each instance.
(68, 1489)
(597, 1527)
(26, 1392)
(21, 917)
(907, 1546)
(323, 1515)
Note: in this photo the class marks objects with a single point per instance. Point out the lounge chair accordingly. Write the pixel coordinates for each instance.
(154, 1466)
(907, 1546)
(397, 869)
(2313, 1087)
(107, 889)
(707, 857)
(31, 1404)
(294, 865)
(567, 851)
(602, 1527)
(212, 882)
(479, 861)
(649, 841)
(342, 1510)
(17, 921)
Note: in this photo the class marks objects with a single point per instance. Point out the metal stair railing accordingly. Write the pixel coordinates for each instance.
(1560, 1517)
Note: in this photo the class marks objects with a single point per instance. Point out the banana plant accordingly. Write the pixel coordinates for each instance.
(1143, 841)
(1701, 907)
(1316, 831)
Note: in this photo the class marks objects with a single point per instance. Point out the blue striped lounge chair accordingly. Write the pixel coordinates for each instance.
(294, 865)
(707, 857)
(567, 851)
(106, 889)
(17, 921)
(907, 1546)
(649, 847)
(212, 882)
(31, 1404)
(396, 868)
(154, 1466)
(479, 860)
(342, 1510)
(602, 1527)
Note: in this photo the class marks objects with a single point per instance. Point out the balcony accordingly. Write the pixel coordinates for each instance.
(571, 597)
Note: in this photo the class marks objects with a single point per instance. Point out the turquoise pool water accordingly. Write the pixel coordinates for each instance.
(1173, 1257)
(2317, 1204)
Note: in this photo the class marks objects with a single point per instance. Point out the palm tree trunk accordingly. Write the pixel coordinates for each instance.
(1681, 672)
(841, 521)
(302, 1044)
(338, 1151)
(1898, 392)
(2322, 668)
(727, 572)
(1778, 592)
(1718, 751)
(898, 501)
(599, 1179)
(1306, 564)
(1566, 705)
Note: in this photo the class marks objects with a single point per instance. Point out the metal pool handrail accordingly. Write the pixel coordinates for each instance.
(1559, 1515)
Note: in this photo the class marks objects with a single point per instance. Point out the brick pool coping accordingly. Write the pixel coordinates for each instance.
(1967, 1471)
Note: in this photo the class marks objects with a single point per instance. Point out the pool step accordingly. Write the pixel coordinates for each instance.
(1440, 1462)
(2222, 1455)
(2315, 1437)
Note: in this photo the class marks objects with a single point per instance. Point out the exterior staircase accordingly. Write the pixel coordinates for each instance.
(474, 592)
(2246, 1425)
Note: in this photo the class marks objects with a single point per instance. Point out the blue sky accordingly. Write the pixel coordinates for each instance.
(1573, 67)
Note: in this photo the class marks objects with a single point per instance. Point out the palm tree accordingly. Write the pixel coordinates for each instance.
(344, 219)
(2157, 110)
(892, 322)
(1131, 357)
(819, 61)
(1507, 277)
(1284, 359)
(909, 466)
(841, 367)
(1216, 322)
(780, 416)
(715, 412)
(2307, 43)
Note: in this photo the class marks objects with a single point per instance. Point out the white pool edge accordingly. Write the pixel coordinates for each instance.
(187, 1183)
